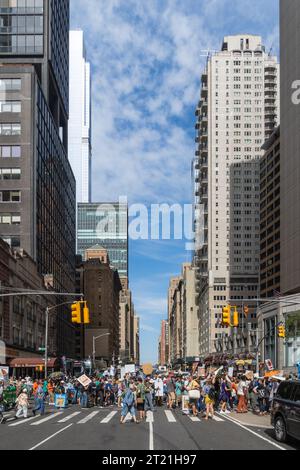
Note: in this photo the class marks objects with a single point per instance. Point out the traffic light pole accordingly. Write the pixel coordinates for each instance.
(258, 343)
(48, 310)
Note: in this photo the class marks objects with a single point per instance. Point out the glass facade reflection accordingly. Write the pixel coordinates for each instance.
(21, 27)
(105, 225)
(56, 207)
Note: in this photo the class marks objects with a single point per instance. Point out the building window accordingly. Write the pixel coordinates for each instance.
(10, 151)
(10, 219)
(10, 173)
(10, 129)
(10, 196)
(9, 84)
(10, 106)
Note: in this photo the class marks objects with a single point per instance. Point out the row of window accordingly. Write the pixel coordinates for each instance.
(10, 151)
(22, 6)
(10, 84)
(21, 24)
(10, 129)
(21, 44)
(10, 106)
(10, 173)
(10, 219)
(10, 196)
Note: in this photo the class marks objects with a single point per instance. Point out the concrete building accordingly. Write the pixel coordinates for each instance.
(163, 344)
(270, 217)
(173, 286)
(238, 110)
(189, 314)
(290, 146)
(281, 263)
(37, 185)
(80, 135)
(136, 336)
(183, 318)
(106, 225)
(101, 287)
(22, 319)
(126, 324)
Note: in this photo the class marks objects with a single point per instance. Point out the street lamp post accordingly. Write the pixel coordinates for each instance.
(94, 346)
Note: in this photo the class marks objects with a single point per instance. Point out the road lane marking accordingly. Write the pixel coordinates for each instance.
(170, 417)
(151, 437)
(232, 420)
(23, 421)
(109, 417)
(219, 420)
(47, 419)
(50, 437)
(64, 420)
(88, 417)
(150, 417)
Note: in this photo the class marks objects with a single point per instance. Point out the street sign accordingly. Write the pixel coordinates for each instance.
(42, 349)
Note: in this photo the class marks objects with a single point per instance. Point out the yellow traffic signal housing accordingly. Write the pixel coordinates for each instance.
(281, 331)
(86, 314)
(235, 318)
(76, 313)
(226, 316)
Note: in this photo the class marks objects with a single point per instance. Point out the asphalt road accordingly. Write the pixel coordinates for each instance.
(100, 429)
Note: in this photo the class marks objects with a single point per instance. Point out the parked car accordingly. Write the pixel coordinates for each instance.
(285, 413)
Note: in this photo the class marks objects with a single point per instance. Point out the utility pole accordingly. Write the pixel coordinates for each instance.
(46, 342)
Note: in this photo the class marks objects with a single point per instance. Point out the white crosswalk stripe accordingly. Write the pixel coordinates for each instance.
(109, 417)
(195, 419)
(64, 420)
(88, 417)
(23, 421)
(150, 417)
(41, 421)
(219, 420)
(170, 417)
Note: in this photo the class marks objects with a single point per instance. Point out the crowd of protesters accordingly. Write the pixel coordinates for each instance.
(136, 394)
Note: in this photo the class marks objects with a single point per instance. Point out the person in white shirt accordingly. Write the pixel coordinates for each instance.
(159, 390)
(242, 394)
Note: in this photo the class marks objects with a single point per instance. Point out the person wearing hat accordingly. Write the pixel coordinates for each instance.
(22, 404)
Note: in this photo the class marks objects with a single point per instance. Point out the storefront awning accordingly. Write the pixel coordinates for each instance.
(23, 362)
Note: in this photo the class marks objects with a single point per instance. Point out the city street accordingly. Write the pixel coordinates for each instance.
(99, 429)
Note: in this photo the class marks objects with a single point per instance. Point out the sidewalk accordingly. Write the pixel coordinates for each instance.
(250, 419)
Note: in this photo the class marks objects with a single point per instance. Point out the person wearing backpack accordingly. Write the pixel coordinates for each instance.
(129, 401)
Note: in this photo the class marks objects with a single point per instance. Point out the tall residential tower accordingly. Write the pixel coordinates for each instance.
(80, 145)
(238, 110)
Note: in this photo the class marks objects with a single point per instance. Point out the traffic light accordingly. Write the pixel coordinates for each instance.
(235, 318)
(281, 331)
(86, 314)
(76, 313)
(226, 316)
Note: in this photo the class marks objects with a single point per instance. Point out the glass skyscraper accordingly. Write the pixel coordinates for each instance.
(105, 225)
(38, 190)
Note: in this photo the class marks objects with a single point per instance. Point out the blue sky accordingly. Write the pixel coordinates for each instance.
(147, 57)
